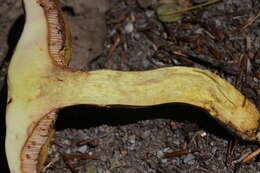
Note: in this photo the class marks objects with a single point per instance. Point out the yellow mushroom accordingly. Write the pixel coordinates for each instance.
(40, 83)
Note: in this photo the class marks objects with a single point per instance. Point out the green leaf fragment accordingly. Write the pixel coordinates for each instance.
(91, 170)
(163, 10)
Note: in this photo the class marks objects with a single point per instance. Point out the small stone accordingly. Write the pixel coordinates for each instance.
(149, 13)
(137, 36)
(68, 151)
(189, 158)
(66, 142)
(202, 133)
(83, 149)
(164, 160)
(160, 154)
(199, 31)
(129, 28)
(132, 139)
(214, 149)
(167, 150)
(115, 163)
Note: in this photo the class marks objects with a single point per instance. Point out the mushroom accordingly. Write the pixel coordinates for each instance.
(40, 83)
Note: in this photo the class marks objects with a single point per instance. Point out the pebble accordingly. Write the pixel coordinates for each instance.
(116, 163)
(160, 154)
(132, 139)
(164, 160)
(66, 142)
(189, 159)
(68, 151)
(129, 28)
(214, 149)
(149, 13)
(167, 150)
(83, 149)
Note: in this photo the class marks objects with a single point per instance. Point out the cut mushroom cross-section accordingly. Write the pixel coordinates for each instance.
(40, 83)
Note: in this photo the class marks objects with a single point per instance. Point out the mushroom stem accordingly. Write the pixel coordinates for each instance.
(40, 83)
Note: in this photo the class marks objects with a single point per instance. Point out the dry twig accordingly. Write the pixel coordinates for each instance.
(179, 153)
(249, 22)
(250, 156)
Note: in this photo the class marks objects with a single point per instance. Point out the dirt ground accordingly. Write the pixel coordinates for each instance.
(127, 35)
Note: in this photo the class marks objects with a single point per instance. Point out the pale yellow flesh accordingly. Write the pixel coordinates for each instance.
(36, 87)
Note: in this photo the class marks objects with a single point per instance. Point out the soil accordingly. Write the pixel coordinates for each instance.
(127, 35)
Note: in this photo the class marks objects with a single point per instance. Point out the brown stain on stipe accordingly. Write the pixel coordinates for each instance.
(10, 100)
(8, 103)
(16, 137)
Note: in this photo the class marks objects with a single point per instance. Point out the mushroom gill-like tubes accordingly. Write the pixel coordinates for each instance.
(40, 83)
